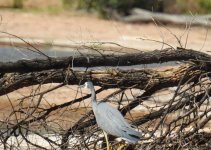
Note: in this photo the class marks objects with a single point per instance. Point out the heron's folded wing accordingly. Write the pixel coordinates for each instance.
(112, 121)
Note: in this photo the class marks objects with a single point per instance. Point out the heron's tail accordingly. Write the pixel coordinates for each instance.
(132, 135)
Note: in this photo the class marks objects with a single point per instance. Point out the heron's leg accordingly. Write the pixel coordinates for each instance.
(121, 146)
(106, 137)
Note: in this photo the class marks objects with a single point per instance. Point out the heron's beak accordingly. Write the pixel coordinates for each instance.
(81, 86)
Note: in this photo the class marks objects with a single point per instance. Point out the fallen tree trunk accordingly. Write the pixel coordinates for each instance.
(113, 78)
(141, 15)
(157, 56)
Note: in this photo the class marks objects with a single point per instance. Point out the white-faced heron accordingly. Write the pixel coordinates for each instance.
(111, 120)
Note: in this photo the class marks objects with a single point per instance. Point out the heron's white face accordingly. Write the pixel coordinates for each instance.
(86, 85)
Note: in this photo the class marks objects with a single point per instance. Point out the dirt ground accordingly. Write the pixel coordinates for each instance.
(72, 28)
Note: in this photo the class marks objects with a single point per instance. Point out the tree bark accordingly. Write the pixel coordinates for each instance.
(156, 56)
(113, 78)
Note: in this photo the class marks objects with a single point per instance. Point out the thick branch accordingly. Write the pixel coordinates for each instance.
(157, 56)
(141, 79)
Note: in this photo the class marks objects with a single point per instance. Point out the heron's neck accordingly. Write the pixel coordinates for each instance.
(93, 96)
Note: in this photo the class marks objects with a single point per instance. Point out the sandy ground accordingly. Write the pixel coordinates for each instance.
(78, 27)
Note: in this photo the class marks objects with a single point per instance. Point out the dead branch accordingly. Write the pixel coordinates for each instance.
(156, 56)
(113, 78)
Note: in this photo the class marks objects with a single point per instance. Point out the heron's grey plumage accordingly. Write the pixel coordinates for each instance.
(111, 120)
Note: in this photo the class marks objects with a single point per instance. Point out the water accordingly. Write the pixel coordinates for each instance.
(13, 54)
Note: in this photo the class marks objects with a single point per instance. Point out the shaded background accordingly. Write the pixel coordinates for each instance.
(102, 6)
